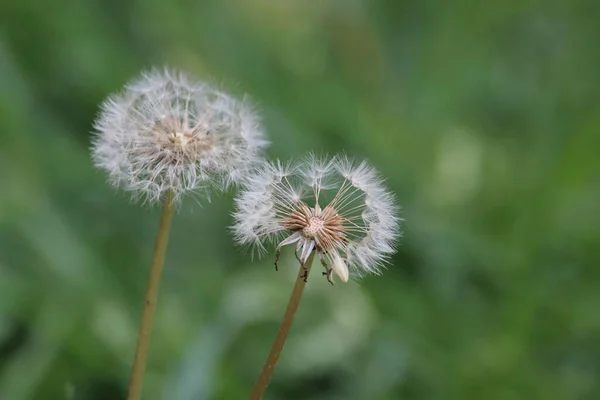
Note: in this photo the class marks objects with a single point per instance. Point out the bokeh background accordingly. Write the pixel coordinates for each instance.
(483, 116)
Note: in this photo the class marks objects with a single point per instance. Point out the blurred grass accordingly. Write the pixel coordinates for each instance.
(482, 116)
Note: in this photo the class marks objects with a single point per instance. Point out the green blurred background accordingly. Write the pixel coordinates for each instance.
(483, 116)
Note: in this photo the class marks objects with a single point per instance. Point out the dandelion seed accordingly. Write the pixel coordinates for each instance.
(337, 208)
(168, 132)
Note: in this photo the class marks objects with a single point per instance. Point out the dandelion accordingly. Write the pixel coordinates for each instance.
(166, 135)
(169, 132)
(334, 208)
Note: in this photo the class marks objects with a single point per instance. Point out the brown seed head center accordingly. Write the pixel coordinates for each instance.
(183, 142)
(325, 227)
(180, 139)
(313, 227)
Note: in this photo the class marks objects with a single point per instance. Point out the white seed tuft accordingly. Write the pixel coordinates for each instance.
(340, 209)
(167, 131)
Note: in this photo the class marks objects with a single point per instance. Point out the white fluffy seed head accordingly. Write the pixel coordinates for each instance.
(167, 131)
(340, 208)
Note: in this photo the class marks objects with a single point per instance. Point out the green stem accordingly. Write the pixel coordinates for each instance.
(158, 260)
(284, 329)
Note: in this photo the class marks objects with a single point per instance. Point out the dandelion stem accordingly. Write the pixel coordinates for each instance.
(158, 260)
(286, 323)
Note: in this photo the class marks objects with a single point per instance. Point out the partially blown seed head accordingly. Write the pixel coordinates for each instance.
(337, 208)
(166, 131)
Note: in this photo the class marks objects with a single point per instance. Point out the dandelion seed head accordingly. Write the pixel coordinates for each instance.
(335, 207)
(167, 131)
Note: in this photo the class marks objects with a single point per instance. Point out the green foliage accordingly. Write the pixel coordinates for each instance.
(484, 116)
